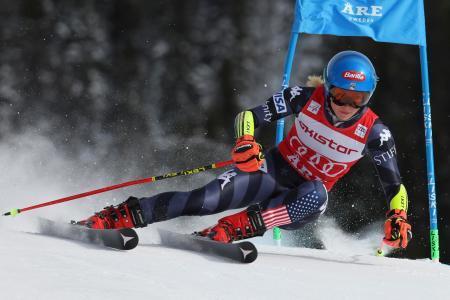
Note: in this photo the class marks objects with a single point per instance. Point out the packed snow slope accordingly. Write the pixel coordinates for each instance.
(36, 266)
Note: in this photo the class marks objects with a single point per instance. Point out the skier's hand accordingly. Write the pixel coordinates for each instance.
(397, 230)
(247, 154)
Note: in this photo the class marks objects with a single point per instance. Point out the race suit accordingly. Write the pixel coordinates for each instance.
(292, 185)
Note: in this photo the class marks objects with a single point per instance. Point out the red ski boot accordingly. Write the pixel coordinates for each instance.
(125, 215)
(245, 224)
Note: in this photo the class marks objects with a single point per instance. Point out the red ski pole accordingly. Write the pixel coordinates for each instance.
(216, 165)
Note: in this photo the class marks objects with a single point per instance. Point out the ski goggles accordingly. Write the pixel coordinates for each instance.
(342, 97)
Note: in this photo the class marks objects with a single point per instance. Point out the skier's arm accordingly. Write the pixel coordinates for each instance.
(381, 148)
(247, 153)
(287, 102)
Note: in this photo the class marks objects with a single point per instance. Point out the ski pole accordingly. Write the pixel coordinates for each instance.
(216, 165)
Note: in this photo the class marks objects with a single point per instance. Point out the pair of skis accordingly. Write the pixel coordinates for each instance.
(127, 239)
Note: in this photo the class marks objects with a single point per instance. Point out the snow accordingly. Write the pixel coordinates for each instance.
(35, 266)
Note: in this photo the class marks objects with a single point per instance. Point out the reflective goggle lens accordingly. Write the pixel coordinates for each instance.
(343, 97)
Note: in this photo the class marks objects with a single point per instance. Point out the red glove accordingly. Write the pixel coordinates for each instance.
(247, 154)
(397, 230)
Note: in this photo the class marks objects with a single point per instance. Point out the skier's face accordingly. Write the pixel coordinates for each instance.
(344, 112)
(346, 103)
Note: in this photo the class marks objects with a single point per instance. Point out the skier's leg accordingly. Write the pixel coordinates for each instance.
(233, 189)
(290, 209)
(296, 207)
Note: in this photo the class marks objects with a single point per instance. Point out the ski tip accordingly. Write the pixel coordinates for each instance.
(249, 252)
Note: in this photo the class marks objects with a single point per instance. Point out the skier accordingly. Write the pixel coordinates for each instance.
(287, 186)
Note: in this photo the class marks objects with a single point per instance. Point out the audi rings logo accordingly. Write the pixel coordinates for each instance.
(318, 162)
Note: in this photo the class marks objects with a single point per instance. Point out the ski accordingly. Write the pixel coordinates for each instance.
(121, 239)
(243, 252)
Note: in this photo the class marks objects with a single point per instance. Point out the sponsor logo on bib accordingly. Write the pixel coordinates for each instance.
(313, 107)
(361, 131)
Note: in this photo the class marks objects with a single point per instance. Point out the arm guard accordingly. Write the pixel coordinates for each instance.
(400, 200)
(381, 148)
(244, 124)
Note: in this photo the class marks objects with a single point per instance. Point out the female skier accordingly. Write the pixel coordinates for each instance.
(287, 186)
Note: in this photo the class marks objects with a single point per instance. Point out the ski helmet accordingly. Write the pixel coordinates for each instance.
(351, 70)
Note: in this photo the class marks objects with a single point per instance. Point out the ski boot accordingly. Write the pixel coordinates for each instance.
(125, 215)
(245, 224)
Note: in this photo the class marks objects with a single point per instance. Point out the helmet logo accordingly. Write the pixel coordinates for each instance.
(354, 75)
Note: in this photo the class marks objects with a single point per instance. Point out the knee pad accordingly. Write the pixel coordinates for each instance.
(312, 197)
(322, 195)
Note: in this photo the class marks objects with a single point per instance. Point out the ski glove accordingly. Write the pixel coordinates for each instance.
(397, 230)
(247, 154)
